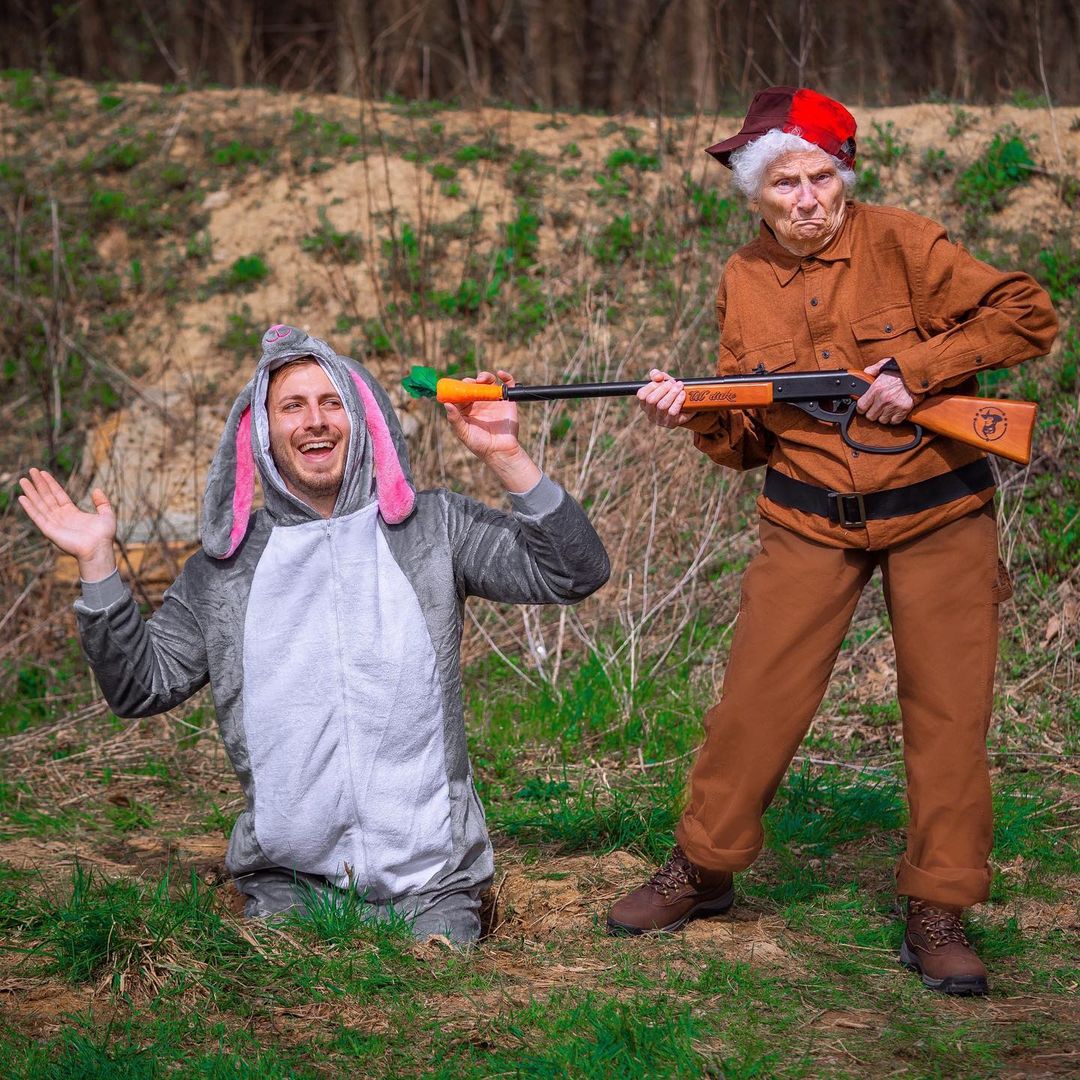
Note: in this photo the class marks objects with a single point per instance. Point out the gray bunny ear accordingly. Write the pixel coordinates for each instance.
(230, 484)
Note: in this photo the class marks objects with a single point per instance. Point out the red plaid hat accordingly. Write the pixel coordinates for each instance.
(820, 120)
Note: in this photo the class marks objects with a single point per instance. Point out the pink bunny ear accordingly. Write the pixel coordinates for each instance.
(230, 484)
(244, 491)
(395, 494)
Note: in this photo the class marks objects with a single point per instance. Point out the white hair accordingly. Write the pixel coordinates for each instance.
(750, 162)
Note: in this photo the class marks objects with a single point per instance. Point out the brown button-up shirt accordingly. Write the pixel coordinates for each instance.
(890, 284)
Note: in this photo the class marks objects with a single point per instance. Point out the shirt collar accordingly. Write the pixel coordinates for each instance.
(786, 264)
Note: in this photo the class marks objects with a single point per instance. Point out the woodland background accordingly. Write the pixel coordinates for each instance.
(604, 55)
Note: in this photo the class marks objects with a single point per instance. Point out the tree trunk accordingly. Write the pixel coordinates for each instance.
(538, 51)
(352, 47)
(702, 53)
(181, 20)
(93, 41)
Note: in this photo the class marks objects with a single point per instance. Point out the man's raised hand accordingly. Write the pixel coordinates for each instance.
(490, 430)
(86, 536)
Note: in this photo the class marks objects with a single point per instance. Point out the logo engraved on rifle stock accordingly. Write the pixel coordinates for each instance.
(712, 394)
(990, 423)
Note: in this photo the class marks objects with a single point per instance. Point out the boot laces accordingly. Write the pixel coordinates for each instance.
(677, 871)
(941, 927)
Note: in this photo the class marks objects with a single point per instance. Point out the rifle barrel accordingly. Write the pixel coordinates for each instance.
(559, 391)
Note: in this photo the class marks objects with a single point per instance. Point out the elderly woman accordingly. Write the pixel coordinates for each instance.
(834, 283)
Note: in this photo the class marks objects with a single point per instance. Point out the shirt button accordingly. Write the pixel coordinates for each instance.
(978, 359)
(813, 302)
(888, 328)
(925, 384)
(825, 354)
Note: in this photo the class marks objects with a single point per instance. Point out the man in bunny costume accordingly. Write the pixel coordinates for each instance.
(328, 625)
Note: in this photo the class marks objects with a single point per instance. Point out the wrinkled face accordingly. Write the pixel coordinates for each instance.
(802, 200)
(309, 433)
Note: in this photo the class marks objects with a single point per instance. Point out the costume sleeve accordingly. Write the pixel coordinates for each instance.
(976, 317)
(545, 552)
(144, 666)
(732, 437)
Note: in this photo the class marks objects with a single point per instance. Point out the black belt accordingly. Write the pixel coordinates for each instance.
(853, 509)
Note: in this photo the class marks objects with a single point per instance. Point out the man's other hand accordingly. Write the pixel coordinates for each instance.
(489, 429)
(86, 536)
(888, 400)
(661, 400)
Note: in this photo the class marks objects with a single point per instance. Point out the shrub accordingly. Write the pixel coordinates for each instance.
(327, 242)
(987, 181)
(885, 147)
(1060, 269)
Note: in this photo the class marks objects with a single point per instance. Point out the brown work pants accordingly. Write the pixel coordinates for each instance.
(798, 597)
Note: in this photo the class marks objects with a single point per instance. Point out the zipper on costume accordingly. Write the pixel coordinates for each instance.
(349, 754)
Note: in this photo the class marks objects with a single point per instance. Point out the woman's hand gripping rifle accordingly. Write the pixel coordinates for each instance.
(997, 426)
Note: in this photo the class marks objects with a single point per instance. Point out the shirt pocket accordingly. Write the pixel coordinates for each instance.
(766, 359)
(884, 332)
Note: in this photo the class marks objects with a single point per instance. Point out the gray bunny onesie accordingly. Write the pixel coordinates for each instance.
(332, 650)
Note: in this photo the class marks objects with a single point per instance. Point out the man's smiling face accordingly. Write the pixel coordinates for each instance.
(309, 433)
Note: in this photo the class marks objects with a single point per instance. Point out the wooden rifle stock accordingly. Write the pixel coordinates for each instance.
(1000, 427)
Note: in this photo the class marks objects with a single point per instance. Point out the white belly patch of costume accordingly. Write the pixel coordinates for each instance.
(343, 711)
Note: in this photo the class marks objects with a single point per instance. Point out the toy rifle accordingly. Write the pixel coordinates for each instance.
(999, 427)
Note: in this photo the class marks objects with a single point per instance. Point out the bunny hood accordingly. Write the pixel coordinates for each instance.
(376, 463)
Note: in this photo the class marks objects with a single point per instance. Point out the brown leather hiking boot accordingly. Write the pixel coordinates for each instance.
(935, 947)
(677, 891)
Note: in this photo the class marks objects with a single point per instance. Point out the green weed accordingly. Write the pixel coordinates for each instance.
(815, 812)
(124, 156)
(241, 337)
(1060, 269)
(868, 185)
(962, 121)
(89, 928)
(130, 815)
(1024, 98)
(1024, 825)
(218, 820)
(934, 165)
(405, 264)
(615, 242)
(27, 91)
(590, 819)
(343, 917)
(316, 137)
(237, 154)
(526, 174)
(328, 242)
(36, 691)
(984, 185)
(243, 276)
(138, 218)
(488, 150)
(885, 146)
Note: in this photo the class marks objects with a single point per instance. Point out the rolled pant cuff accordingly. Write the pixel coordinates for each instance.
(693, 839)
(955, 886)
